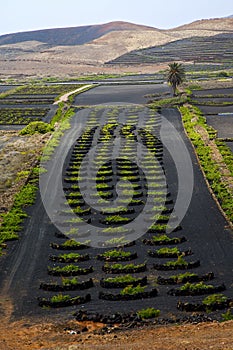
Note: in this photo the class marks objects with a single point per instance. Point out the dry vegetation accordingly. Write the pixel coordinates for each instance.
(212, 84)
(211, 24)
(17, 154)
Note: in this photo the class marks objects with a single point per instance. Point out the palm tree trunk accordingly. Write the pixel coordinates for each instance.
(174, 90)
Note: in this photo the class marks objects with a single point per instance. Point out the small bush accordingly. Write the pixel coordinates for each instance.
(131, 290)
(121, 279)
(213, 299)
(148, 313)
(228, 316)
(116, 254)
(36, 128)
(11, 221)
(180, 261)
(196, 286)
(223, 74)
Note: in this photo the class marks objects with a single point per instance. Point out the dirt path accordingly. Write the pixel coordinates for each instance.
(26, 335)
(34, 335)
(64, 98)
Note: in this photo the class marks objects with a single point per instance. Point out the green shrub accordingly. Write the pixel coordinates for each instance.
(196, 286)
(130, 290)
(192, 116)
(60, 298)
(169, 102)
(161, 238)
(26, 196)
(73, 244)
(36, 128)
(124, 267)
(194, 87)
(180, 277)
(11, 221)
(228, 316)
(69, 282)
(116, 230)
(213, 299)
(116, 219)
(68, 269)
(164, 251)
(116, 240)
(148, 313)
(115, 254)
(180, 261)
(223, 74)
(58, 116)
(69, 256)
(121, 279)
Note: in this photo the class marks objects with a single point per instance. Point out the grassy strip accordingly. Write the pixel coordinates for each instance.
(226, 154)
(8, 92)
(192, 117)
(59, 114)
(169, 102)
(40, 89)
(86, 78)
(64, 118)
(211, 103)
(11, 221)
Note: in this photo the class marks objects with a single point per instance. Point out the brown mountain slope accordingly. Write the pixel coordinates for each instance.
(72, 51)
(99, 51)
(219, 24)
(70, 36)
(107, 47)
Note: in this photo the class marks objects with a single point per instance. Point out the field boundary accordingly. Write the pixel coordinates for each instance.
(192, 126)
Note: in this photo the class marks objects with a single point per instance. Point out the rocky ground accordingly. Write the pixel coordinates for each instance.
(71, 335)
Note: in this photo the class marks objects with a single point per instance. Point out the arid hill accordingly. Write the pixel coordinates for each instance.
(219, 24)
(70, 36)
(83, 50)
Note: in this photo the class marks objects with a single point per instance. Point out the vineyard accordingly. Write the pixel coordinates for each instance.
(90, 258)
(24, 104)
(120, 269)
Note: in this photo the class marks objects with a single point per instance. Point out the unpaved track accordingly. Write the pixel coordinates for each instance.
(64, 98)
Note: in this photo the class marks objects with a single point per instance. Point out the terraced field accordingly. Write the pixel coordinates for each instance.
(217, 107)
(212, 50)
(25, 104)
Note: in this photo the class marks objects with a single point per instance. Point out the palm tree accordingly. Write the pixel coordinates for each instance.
(175, 75)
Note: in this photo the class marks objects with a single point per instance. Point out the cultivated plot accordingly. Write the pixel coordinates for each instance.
(85, 253)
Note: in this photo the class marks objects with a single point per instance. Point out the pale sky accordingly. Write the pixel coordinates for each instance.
(26, 15)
